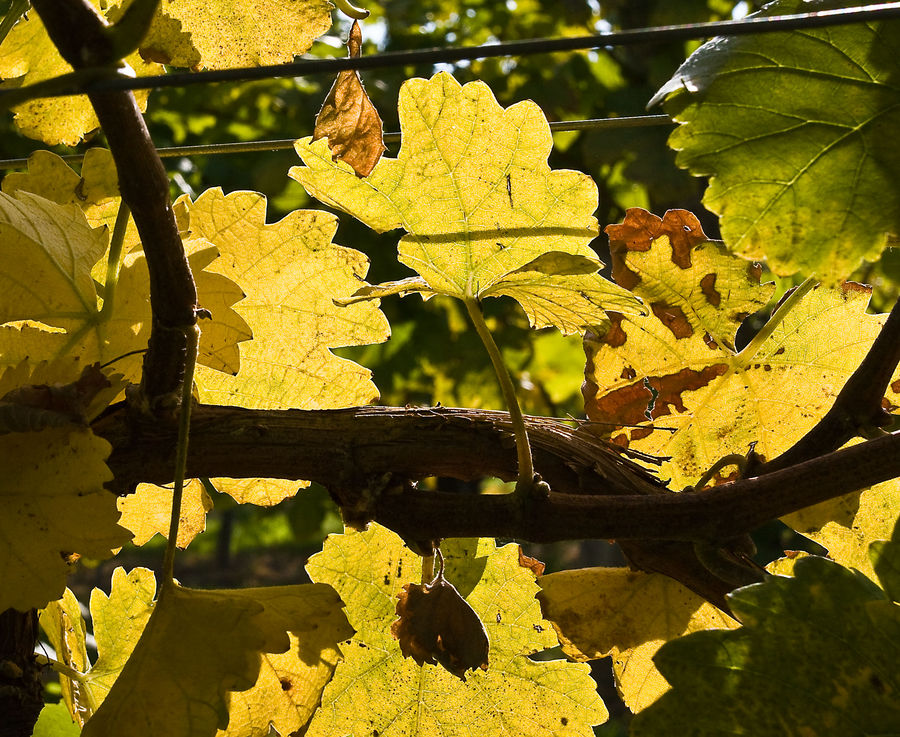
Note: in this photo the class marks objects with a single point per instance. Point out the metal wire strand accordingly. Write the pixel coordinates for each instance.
(657, 34)
(281, 144)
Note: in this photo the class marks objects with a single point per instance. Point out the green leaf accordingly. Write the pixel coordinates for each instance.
(55, 721)
(485, 215)
(817, 655)
(514, 696)
(797, 131)
(885, 555)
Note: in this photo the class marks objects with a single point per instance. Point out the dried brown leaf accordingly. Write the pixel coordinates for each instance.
(436, 625)
(349, 119)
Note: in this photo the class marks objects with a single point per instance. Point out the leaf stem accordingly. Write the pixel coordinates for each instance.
(192, 333)
(114, 262)
(523, 448)
(750, 350)
(74, 676)
(17, 8)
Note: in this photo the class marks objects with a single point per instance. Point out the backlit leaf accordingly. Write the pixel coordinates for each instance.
(147, 512)
(63, 625)
(797, 131)
(54, 506)
(514, 696)
(349, 120)
(817, 655)
(27, 56)
(183, 661)
(221, 34)
(290, 272)
(472, 188)
(712, 399)
(628, 615)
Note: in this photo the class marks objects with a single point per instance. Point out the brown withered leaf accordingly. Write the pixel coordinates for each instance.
(436, 625)
(42, 403)
(349, 119)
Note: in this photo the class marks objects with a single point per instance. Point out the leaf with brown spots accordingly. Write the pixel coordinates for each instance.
(680, 366)
(349, 119)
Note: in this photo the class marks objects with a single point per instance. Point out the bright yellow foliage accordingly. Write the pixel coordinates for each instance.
(514, 696)
(198, 645)
(626, 614)
(29, 56)
(147, 512)
(63, 625)
(290, 272)
(484, 214)
(225, 33)
(54, 505)
(716, 399)
(57, 247)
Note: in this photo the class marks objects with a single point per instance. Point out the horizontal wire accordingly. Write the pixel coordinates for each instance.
(280, 144)
(656, 34)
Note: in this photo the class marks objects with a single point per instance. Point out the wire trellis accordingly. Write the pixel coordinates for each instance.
(57, 87)
(656, 34)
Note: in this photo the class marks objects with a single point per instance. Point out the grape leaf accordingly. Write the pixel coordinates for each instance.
(148, 510)
(290, 272)
(54, 506)
(848, 543)
(59, 250)
(219, 35)
(817, 654)
(47, 252)
(63, 625)
(55, 721)
(797, 131)
(886, 562)
(713, 399)
(514, 696)
(27, 56)
(482, 209)
(196, 646)
(628, 615)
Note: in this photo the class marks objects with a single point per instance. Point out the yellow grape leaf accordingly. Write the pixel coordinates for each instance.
(63, 625)
(58, 250)
(482, 209)
(95, 190)
(147, 511)
(290, 271)
(626, 614)
(197, 646)
(220, 34)
(54, 507)
(46, 255)
(514, 696)
(710, 399)
(848, 543)
(118, 621)
(27, 56)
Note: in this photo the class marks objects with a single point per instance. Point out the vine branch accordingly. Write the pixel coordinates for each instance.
(596, 493)
(85, 41)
